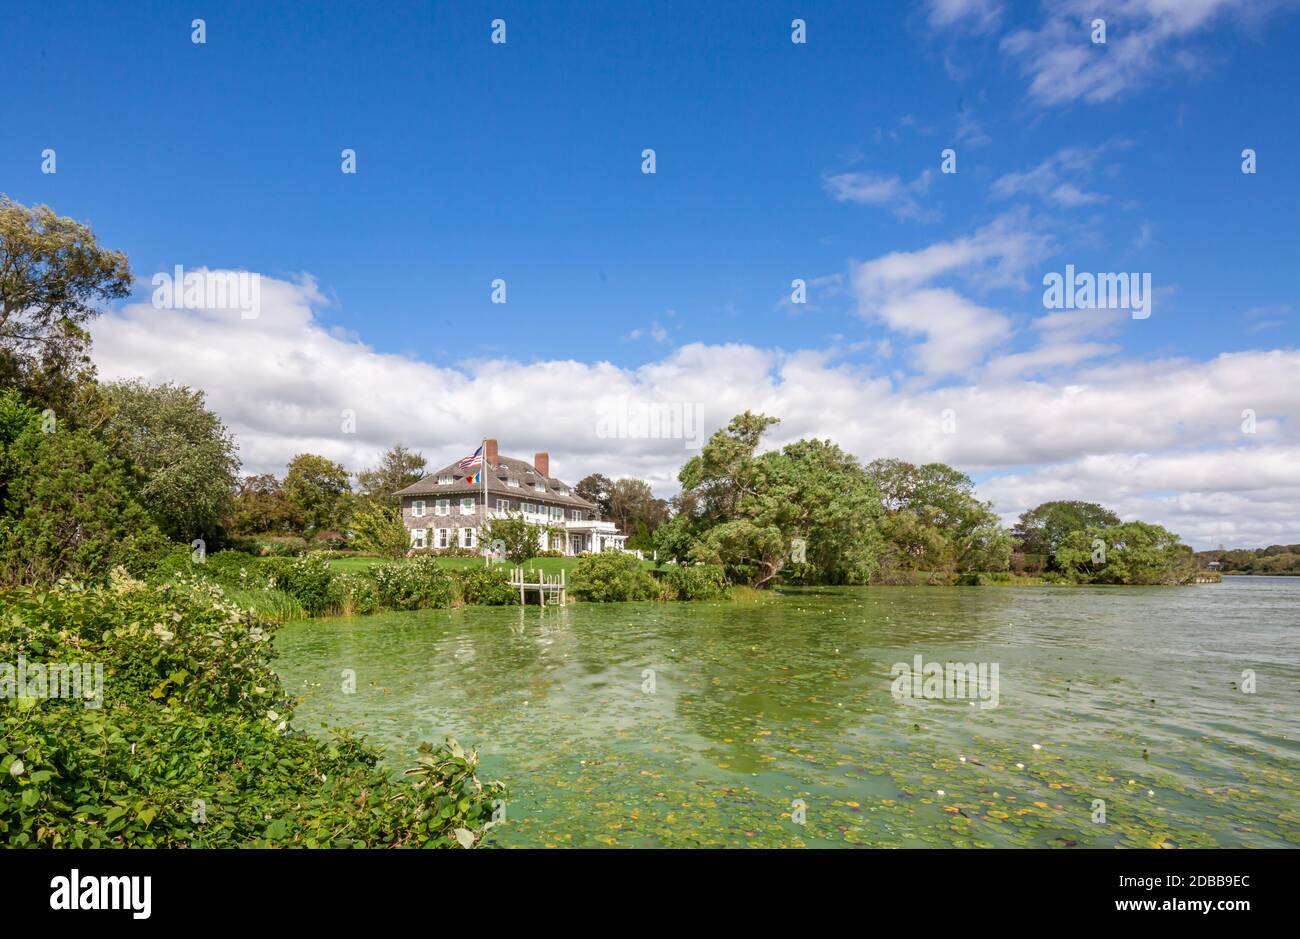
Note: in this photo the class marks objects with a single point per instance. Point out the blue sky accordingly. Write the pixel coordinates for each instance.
(775, 161)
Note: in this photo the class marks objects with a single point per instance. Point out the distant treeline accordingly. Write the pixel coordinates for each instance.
(1275, 559)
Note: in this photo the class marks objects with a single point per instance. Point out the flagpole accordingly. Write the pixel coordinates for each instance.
(482, 468)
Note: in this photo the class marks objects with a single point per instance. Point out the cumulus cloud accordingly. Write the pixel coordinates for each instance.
(1160, 440)
(897, 290)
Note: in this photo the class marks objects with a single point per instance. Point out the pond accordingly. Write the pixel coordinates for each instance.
(1124, 716)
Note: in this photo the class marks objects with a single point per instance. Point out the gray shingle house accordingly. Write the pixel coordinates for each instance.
(444, 510)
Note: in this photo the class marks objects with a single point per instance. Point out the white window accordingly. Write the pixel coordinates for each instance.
(557, 514)
(503, 505)
(445, 480)
(466, 506)
(527, 507)
(417, 537)
(417, 508)
(539, 487)
(442, 507)
(575, 514)
(512, 483)
(467, 537)
(564, 492)
(442, 537)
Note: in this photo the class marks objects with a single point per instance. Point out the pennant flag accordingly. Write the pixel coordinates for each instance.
(473, 478)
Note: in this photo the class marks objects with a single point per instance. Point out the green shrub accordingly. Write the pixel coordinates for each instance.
(192, 746)
(486, 586)
(417, 584)
(612, 576)
(694, 582)
(353, 595)
(307, 579)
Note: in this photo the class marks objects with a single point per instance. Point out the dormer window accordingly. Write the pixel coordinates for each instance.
(445, 480)
(512, 483)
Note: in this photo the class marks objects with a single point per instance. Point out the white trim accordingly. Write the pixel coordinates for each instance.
(417, 508)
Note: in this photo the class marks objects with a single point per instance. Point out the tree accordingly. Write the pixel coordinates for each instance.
(935, 522)
(185, 455)
(69, 510)
(377, 528)
(260, 505)
(398, 469)
(1041, 530)
(53, 277)
(595, 489)
(319, 491)
(632, 503)
(1128, 553)
(809, 503)
(518, 539)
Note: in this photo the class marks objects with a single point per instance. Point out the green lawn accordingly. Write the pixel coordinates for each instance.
(549, 565)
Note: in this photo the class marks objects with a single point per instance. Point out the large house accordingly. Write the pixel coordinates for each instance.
(444, 510)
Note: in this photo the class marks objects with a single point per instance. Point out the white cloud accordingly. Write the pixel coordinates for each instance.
(1160, 440)
(978, 15)
(888, 192)
(1048, 180)
(1143, 39)
(897, 290)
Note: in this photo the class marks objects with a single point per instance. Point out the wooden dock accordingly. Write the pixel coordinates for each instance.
(552, 587)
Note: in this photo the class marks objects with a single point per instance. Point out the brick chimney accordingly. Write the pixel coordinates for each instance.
(491, 452)
(542, 463)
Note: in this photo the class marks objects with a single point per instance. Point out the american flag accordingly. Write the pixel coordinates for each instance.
(474, 459)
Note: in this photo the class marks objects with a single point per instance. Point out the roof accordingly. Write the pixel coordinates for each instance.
(497, 476)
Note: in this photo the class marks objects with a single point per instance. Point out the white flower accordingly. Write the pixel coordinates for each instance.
(16, 768)
(272, 716)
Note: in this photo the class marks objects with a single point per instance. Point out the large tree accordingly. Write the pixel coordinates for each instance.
(595, 489)
(934, 521)
(54, 277)
(260, 506)
(1128, 553)
(319, 490)
(1041, 530)
(632, 505)
(398, 469)
(70, 507)
(809, 503)
(183, 452)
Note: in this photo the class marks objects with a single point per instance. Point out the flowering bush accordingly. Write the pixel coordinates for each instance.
(192, 746)
(416, 584)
